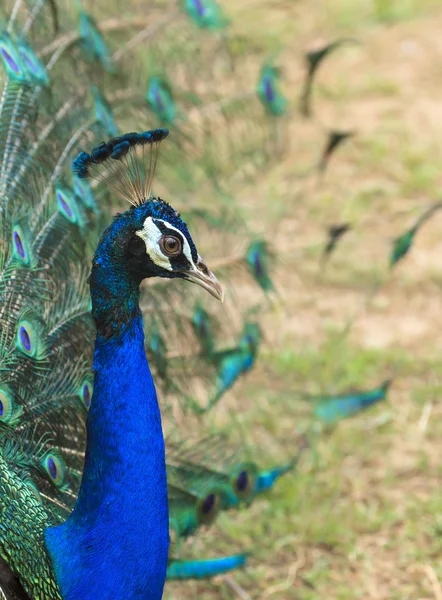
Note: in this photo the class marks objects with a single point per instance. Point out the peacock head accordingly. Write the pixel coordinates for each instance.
(150, 239)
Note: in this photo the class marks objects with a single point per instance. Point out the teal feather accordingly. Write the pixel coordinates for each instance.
(202, 569)
(269, 93)
(402, 244)
(204, 467)
(103, 113)
(160, 100)
(232, 364)
(188, 511)
(85, 194)
(12, 60)
(203, 329)
(258, 262)
(266, 480)
(206, 14)
(93, 43)
(335, 408)
(32, 63)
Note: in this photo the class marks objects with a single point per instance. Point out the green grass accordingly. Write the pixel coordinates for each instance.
(348, 494)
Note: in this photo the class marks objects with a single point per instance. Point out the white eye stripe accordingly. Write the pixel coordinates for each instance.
(151, 235)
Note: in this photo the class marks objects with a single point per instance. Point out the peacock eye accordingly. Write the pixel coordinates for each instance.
(244, 481)
(208, 508)
(55, 469)
(170, 245)
(208, 504)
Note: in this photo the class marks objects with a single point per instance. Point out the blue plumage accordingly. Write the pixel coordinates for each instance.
(116, 148)
(124, 474)
(265, 480)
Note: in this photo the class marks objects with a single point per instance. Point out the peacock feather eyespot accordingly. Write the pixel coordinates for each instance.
(55, 469)
(244, 481)
(30, 337)
(9, 411)
(200, 322)
(26, 338)
(160, 100)
(206, 14)
(64, 206)
(67, 204)
(52, 468)
(208, 504)
(32, 63)
(251, 337)
(257, 263)
(153, 95)
(9, 60)
(255, 255)
(269, 91)
(86, 392)
(208, 508)
(19, 246)
(200, 8)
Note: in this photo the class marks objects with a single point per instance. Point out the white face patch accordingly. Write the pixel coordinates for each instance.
(151, 235)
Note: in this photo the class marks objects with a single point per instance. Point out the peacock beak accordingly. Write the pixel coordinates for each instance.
(203, 276)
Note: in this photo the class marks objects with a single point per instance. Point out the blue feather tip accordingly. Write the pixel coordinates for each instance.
(116, 149)
(335, 408)
(133, 181)
(203, 569)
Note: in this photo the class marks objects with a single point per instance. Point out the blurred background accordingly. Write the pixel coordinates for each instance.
(362, 519)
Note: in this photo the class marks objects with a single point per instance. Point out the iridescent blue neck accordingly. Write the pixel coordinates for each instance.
(114, 290)
(115, 543)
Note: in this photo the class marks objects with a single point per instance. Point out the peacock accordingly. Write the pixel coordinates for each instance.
(60, 94)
